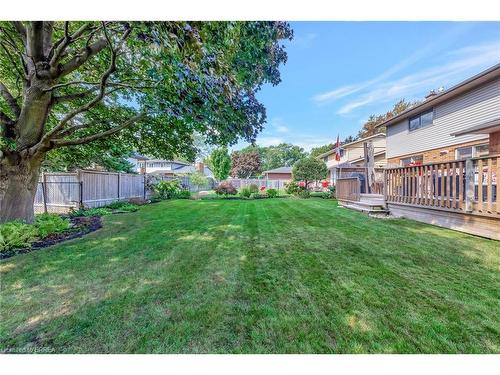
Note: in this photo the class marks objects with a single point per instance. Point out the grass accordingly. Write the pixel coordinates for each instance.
(261, 276)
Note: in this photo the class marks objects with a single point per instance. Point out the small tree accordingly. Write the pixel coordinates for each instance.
(198, 179)
(221, 163)
(308, 170)
(244, 164)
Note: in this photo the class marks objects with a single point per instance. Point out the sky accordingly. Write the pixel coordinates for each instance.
(339, 73)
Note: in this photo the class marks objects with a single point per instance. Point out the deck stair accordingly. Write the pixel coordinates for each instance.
(368, 203)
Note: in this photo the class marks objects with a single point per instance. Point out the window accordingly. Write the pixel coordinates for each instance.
(471, 152)
(412, 160)
(422, 120)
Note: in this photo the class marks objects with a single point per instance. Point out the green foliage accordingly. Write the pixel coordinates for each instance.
(245, 192)
(221, 163)
(50, 223)
(183, 194)
(292, 188)
(123, 206)
(370, 126)
(245, 163)
(303, 193)
(282, 155)
(95, 211)
(272, 193)
(167, 189)
(308, 170)
(225, 188)
(16, 234)
(198, 179)
(253, 188)
(316, 151)
(258, 196)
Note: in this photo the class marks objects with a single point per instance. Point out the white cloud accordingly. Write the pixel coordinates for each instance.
(464, 60)
(269, 141)
(304, 40)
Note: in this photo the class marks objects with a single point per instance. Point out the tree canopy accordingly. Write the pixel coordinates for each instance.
(370, 126)
(308, 170)
(282, 155)
(220, 162)
(148, 85)
(245, 164)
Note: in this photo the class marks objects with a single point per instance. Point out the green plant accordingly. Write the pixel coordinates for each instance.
(46, 224)
(330, 193)
(198, 179)
(96, 211)
(118, 204)
(183, 194)
(308, 170)
(225, 188)
(272, 193)
(304, 194)
(253, 188)
(16, 234)
(258, 196)
(245, 192)
(167, 189)
(292, 188)
(221, 163)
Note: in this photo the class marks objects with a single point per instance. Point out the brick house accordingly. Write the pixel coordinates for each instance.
(456, 124)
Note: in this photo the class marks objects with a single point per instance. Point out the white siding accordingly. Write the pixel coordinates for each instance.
(473, 108)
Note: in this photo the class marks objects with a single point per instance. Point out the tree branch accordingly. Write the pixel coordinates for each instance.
(82, 57)
(62, 44)
(90, 138)
(10, 100)
(34, 39)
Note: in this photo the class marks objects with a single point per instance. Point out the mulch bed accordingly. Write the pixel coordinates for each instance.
(80, 226)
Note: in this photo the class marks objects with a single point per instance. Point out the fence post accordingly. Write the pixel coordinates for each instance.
(118, 185)
(44, 192)
(144, 186)
(469, 184)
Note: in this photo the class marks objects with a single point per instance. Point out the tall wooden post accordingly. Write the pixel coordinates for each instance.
(44, 192)
(469, 184)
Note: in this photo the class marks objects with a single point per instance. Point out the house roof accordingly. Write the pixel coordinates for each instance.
(464, 86)
(280, 170)
(350, 144)
(484, 128)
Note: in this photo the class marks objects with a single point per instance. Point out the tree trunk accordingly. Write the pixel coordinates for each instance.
(18, 184)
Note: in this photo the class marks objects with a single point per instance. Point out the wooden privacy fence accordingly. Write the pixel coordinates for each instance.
(186, 182)
(462, 185)
(348, 188)
(59, 192)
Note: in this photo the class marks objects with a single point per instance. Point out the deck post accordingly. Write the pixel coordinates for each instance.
(469, 184)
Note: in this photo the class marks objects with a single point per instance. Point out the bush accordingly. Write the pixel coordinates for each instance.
(258, 196)
(183, 194)
(96, 211)
(292, 188)
(330, 193)
(303, 193)
(167, 189)
(118, 204)
(225, 188)
(46, 224)
(272, 193)
(16, 234)
(253, 188)
(245, 192)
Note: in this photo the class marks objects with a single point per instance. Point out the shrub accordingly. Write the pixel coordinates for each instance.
(292, 188)
(183, 194)
(225, 188)
(258, 196)
(253, 188)
(118, 204)
(167, 189)
(128, 207)
(245, 192)
(330, 193)
(303, 193)
(46, 224)
(272, 193)
(96, 211)
(16, 234)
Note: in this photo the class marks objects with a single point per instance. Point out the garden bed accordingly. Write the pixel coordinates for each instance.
(79, 227)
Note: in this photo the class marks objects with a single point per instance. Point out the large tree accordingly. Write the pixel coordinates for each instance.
(308, 170)
(282, 155)
(245, 164)
(149, 84)
(220, 162)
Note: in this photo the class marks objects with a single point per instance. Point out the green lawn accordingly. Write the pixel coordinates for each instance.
(261, 276)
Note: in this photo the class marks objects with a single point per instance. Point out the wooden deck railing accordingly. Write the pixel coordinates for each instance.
(461, 185)
(348, 188)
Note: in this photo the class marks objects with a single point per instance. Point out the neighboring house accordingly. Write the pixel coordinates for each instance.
(282, 173)
(143, 164)
(458, 123)
(352, 155)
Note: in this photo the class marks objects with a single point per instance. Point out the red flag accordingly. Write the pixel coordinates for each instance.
(337, 151)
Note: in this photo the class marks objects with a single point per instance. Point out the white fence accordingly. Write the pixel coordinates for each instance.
(268, 184)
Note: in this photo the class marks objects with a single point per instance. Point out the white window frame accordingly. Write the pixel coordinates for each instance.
(474, 150)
